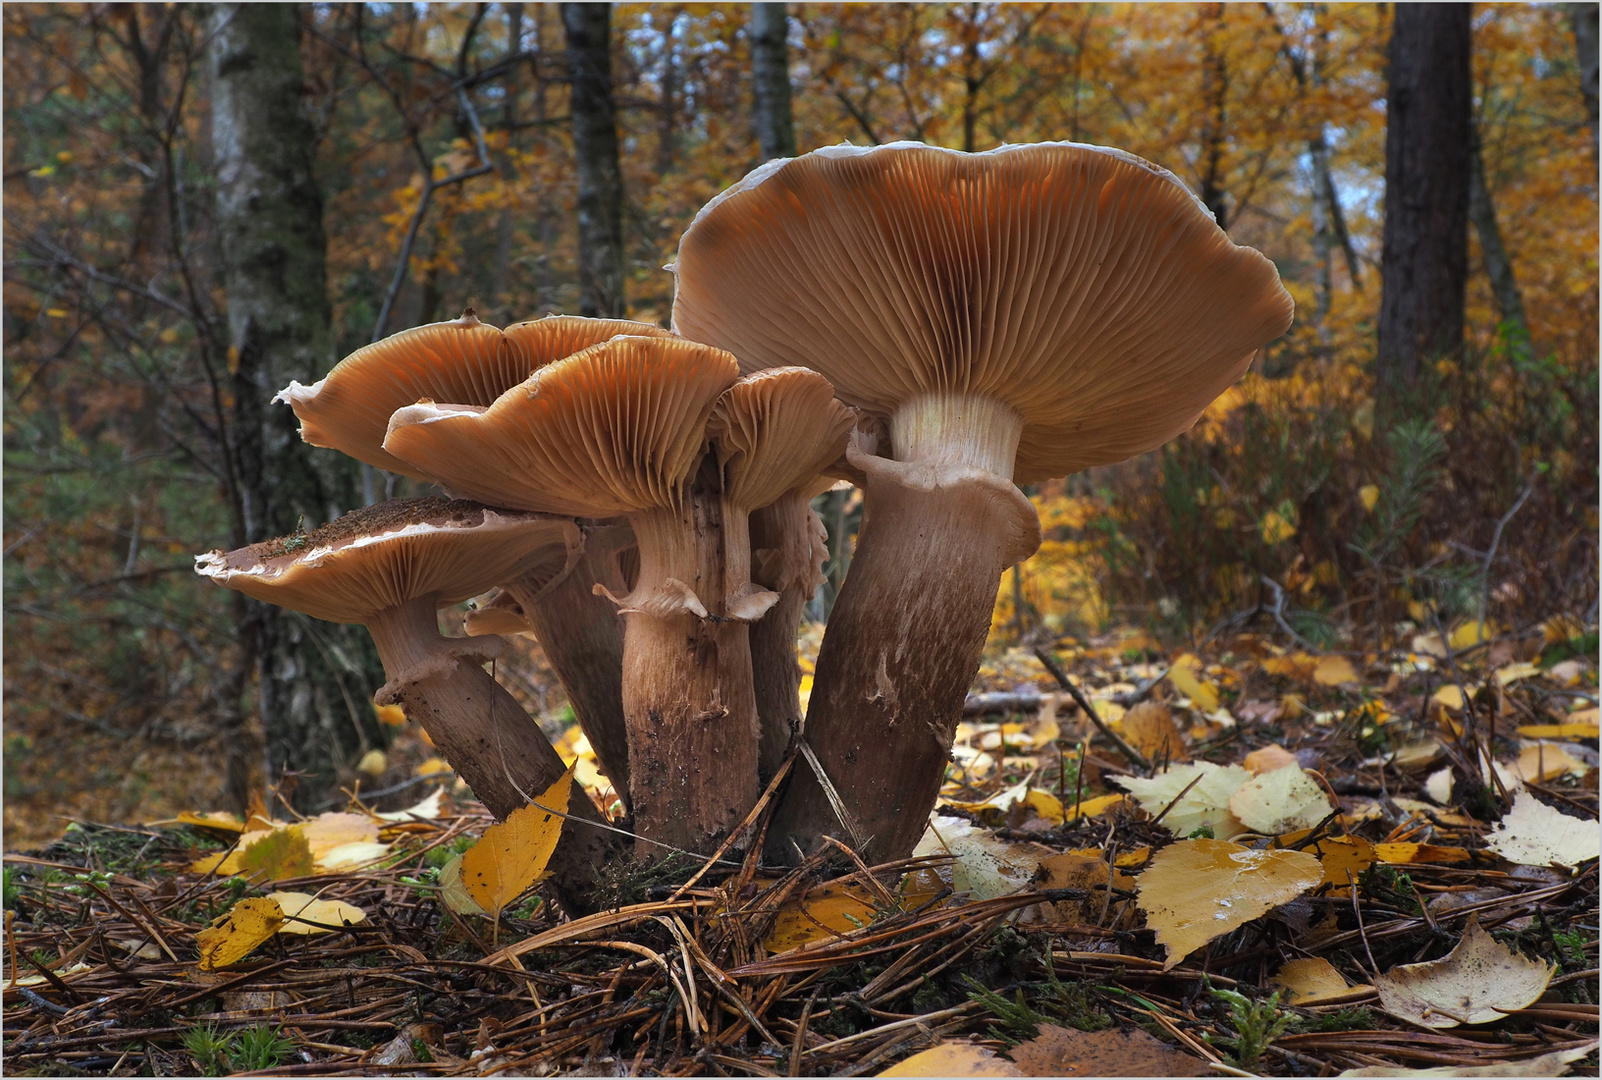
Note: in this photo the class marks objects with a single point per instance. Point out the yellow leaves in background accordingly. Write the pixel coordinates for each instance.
(511, 856)
(1534, 834)
(321, 844)
(373, 763)
(1369, 494)
(231, 936)
(1276, 528)
(1197, 890)
(1186, 677)
(1471, 633)
(393, 715)
(301, 910)
(1333, 670)
(1469, 985)
(1150, 728)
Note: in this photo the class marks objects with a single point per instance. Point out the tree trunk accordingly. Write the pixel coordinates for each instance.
(314, 678)
(1515, 327)
(770, 69)
(1424, 263)
(508, 223)
(1584, 19)
(600, 181)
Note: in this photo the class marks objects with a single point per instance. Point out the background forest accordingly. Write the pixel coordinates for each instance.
(440, 140)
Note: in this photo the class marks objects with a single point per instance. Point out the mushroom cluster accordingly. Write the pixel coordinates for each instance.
(935, 326)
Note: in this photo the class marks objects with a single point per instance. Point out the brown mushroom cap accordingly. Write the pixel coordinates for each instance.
(775, 430)
(615, 429)
(1082, 288)
(463, 361)
(382, 556)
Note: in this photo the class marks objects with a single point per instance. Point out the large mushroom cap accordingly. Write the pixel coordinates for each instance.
(1085, 289)
(775, 430)
(464, 362)
(611, 430)
(381, 556)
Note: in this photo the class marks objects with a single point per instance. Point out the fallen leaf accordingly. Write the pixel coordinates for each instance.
(229, 937)
(1094, 807)
(1546, 1065)
(1205, 804)
(428, 808)
(1402, 854)
(1313, 980)
(1429, 645)
(453, 893)
(1334, 670)
(434, 766)
(36, 980)
(1060, 1051)
(1560, 731)
(1077, 870)
(1534, 834)
(325, 832)
(1466, 986)
(353, 854)
(1292, 666)
(1472, 633)
(1150, 728)
(1279, 802)
(1197, 890)
(1339, 855)
(511, 856)
(1046, 806)
(393, 715)
(1449, 696)
(1514, 672)
(1185, 676)
(1268, 759)
(1369, 495)
(282, 853)
(953, 1059)
(1275, 528)
(838, 908)
(219, 820)
(1539, 762)
(982, 865)
(1566, 672)
(297, 906)
(373, 763)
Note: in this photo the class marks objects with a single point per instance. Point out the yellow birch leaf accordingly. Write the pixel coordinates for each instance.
(511, 856)
(1275, 528)
(1268, 759)
(1045, 805)
(1472, 633)
(327, 832)
(1093, 807)
(1469, 985)
(1449, 696)
(954, 1059)
(1185, 676)
(1534, 834)
(1279, 801)
(1370, 494)
(1207, 803)
(373, 763)
(1197, 890)
(1560, 731)
(434, 766)
(393, 715)
(1540, 762)
(282, 853)
(1150, 728)
(1401, 854)
(1291, 666)
(1312, 980)
(308, 909)
(1334, 670)
(453, 893)
(229, 937)
(1514, 672)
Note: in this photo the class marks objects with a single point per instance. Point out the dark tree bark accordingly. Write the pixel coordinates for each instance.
(1428, 157)
(1583, 17)
(1498, 266)
(770, 68)
(506, 226)
(314, 678)
(600, 181)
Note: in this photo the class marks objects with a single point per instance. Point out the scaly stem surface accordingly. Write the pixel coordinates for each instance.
(905, 636)
(487, 737)
(687, 690)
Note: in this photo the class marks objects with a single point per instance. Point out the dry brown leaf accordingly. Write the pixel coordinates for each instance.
(1149, 727)
(953, 1059)
(1534, 834)
(1060, 1051)
(1196, 890)
(1279, 802)
(1546, 1065)
(1268, 759)
(1205, 804)
(1334, 670)
(1311, 981)
(1466, 986)
(301, 910)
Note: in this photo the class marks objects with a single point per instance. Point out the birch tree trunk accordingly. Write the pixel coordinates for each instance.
(600, 181)
(1429, 125)
(314, 679)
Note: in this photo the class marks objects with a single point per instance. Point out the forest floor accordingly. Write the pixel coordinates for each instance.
(1067, 914)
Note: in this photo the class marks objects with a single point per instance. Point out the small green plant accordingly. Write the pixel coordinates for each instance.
(439, 856)
(1257, 1024)
(1017, 1020)
(1201, 832)
(210, 1048)
(260, 1047)
(1571, 949)
(1352, 1019)
(11, 886)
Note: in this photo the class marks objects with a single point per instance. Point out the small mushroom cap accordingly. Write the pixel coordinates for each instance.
(775, 430)
(612, 430)
(382, 556)
(1084, 288)
(464, 361)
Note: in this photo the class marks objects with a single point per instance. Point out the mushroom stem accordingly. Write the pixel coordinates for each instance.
(583, 640)
(485, 735)
(902, 646)
(790, 547)
(687, 686)
(968, 429)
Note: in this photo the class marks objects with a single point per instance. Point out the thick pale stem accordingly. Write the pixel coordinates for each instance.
(687, 689)
(904, 639)
(487, 737)
(582, 637)
(790, 548)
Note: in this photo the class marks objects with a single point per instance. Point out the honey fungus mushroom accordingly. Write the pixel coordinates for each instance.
(471, 363)
(620, 430)
(1017, 314)
(391, 567)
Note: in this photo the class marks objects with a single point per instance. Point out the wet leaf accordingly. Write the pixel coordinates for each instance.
(1060, 1051)
(1280, 801)
(511, 856)
(1205, 804)
(304, 906)
(1339, 855)
(230, 937)
(1534, 834)
(1467, 986)
(953, 1059)
(1197, 890)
